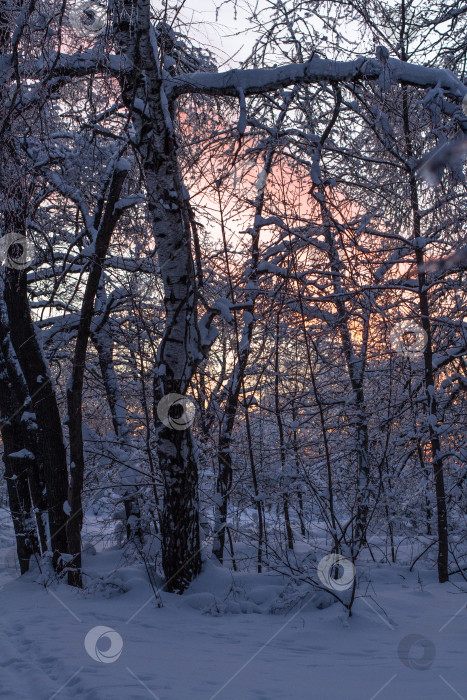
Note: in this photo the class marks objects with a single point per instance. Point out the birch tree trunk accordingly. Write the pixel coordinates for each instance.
(181, 347)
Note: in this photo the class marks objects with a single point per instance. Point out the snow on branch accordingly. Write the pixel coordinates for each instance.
(259, 80)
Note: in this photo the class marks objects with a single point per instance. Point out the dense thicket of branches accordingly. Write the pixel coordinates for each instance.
(253, 240)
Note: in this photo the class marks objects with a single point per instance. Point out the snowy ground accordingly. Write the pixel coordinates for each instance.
(214, 644)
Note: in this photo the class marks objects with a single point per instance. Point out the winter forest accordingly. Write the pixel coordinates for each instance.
(233, 349)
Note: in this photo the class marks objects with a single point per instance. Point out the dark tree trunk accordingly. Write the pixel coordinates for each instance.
(431, 402)
(22, 473)
(49, 449)
(236, 381)
(104, 346)
(50, 446)
(104, 223)
(280, 427)
(356, 372)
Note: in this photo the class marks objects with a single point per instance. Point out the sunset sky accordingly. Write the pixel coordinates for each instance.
(228, 35)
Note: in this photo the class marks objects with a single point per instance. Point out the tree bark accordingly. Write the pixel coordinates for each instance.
(104, 346)
(50, 445)
(105, 226)
(429, 375)
(182, 345)
(19, 437)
